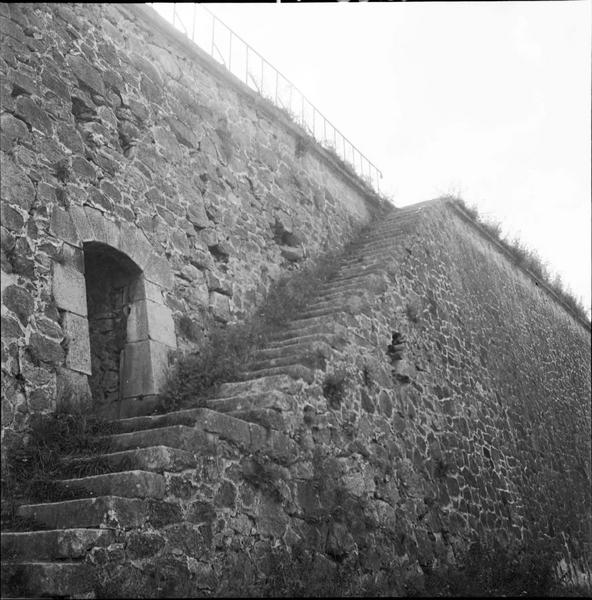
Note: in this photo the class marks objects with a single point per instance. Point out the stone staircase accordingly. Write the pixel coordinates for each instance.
(134, 490)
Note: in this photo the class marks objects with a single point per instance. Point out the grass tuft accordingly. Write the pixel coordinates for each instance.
(227, 351)
(334, 388)
(526, 258)
(33, 466)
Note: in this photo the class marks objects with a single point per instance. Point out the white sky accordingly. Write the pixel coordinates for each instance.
(487, 100)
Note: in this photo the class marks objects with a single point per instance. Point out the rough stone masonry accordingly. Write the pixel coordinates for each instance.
(115, 146)
(144, 193)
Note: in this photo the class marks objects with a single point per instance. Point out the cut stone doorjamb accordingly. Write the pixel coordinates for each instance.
(150, 327)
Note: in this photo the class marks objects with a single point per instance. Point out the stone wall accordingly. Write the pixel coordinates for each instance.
(452, 404)
(176, 164)
(479, 428)
(451, 407)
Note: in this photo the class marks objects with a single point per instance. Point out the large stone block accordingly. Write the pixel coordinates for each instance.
(220, 306)
(62, 227)
(76, 329)
(15, 187)
(159, 271)
(30, 112)
(80, 220)
(11, 218)
(145, 365)
(151, 320)
(142, 289)
(104, 230)
(228, 428)
(72, 256)
(17, 299)
(135, 244)
(87, 74)
(45, 349)
(72, 391)
(69, 289)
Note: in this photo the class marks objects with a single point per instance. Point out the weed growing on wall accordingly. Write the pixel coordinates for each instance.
(348, 168)
(229, 348)
(334, 387)
(306, 141)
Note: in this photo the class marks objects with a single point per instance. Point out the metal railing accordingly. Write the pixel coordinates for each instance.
(202, 27)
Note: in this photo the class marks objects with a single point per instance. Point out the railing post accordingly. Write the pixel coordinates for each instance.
(247, 67)
(213, 35)
(193, 24)
(302, 110)
(230, 52)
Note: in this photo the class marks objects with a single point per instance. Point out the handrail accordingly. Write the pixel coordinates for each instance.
(235, 54)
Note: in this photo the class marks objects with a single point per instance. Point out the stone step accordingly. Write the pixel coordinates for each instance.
(340, 298)
(299, 323)
(388, 234)
(375, 248)
(175, 436)
(187, 416)
(323, 303)
(296, 371)
(332, 339)
(330, 308)
(360, 261)
(53, 544)
(199, 423)
(294, 349)
(273, 399)
(353, 280)
(139, 405)
(395, 234)
(361, 269)
(390, 225)
(128, 484)
(47, 579)
(345, 294)
(104, 511)
(358, 282)
(265, 417)
(402, 216)
(276, 382)
(305, 358)
(296, 331)
(153, 458)
(328, 311)
(357, 275)
(371, 255)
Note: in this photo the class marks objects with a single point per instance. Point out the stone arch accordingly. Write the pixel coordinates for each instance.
(141, 276)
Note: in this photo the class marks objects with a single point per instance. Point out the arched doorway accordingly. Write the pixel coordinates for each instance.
(111, 278)
(123, 339)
